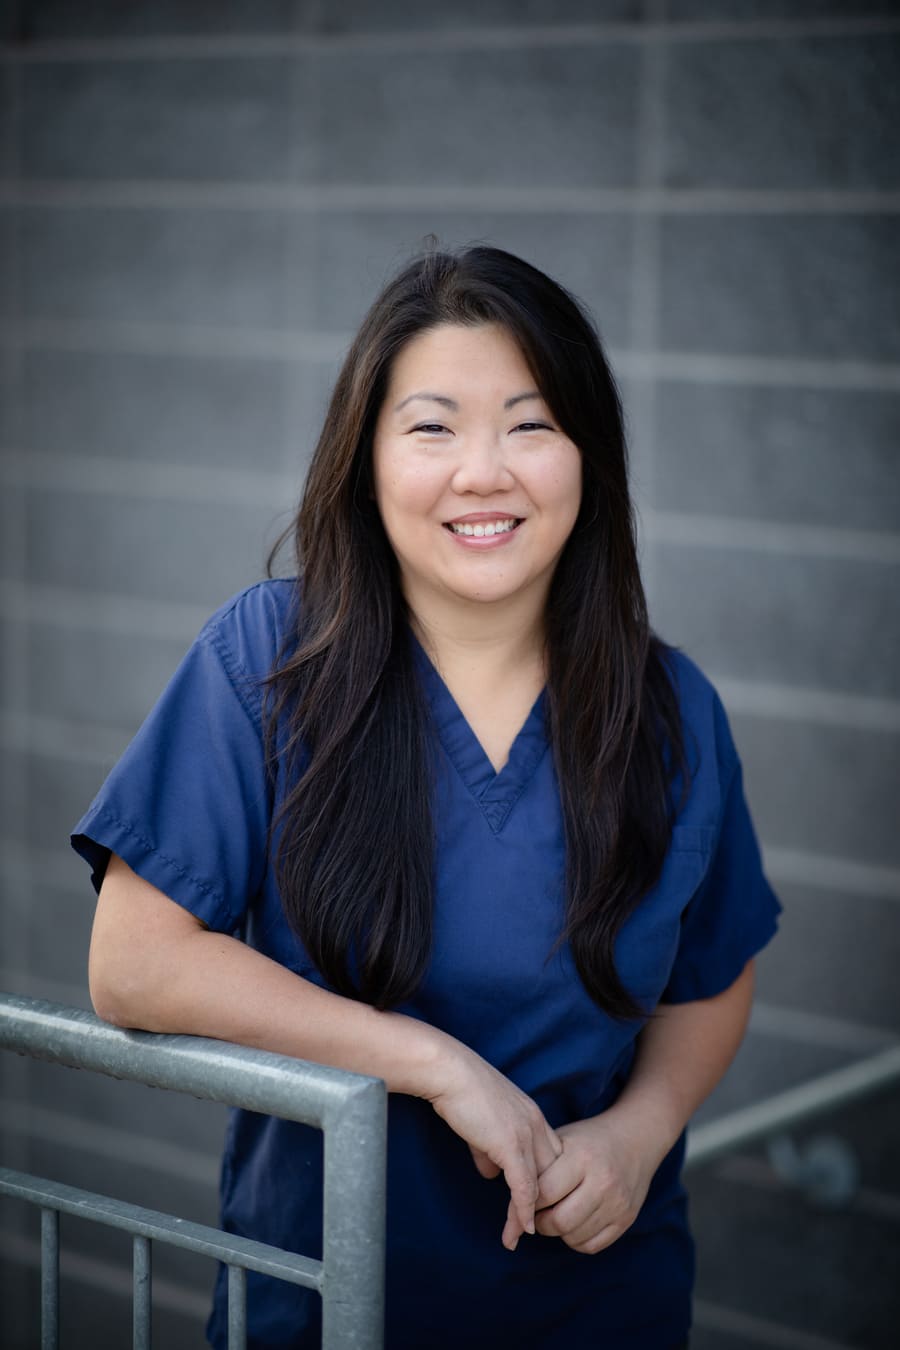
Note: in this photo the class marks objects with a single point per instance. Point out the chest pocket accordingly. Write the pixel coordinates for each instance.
(648, 943)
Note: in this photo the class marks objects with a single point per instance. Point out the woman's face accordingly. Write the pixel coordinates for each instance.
(477, 486)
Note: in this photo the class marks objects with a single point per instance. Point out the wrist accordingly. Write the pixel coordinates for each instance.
(425, 1057)
(648, 1124)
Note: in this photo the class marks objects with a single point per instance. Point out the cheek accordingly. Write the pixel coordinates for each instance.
(404, 490)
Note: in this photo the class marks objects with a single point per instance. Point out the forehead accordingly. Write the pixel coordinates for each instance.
(459, 358)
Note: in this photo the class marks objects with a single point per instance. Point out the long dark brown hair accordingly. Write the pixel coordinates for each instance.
(346, 718)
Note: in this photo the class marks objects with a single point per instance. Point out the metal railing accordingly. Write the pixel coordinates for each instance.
(350, 1109)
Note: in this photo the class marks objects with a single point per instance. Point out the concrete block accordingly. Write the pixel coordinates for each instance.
(188, 266)
(171, 120)
(8, 121)
(9, 263)
(591, 255)
(531, 117)
(98, 678)
(55, 927)
(214, 411)
(748, 10)
(58, 791)
(192, 552)
(803, 286)
(829, 790)
(804, 456)
(798, 113)
(166, 1117)
(836, 954)
(820, 623)
(352, 16)
(59, 19)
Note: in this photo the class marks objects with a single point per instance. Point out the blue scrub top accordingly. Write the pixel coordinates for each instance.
(188, 807)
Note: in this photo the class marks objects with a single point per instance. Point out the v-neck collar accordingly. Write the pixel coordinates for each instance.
(495, 793)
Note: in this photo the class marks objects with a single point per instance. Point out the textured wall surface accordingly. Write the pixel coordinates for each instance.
(197, 202)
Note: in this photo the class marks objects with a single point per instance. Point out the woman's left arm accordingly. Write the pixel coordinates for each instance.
(594, 1190)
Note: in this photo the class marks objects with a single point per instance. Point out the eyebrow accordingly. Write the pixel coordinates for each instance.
(452, 404)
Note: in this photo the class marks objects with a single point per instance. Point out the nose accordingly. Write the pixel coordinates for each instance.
(482, 467)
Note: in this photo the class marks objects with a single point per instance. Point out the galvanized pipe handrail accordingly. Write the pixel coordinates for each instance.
(350, 1108)
(793, 1106)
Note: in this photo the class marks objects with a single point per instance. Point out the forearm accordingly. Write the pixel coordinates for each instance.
(154, 966)
(682, 1054)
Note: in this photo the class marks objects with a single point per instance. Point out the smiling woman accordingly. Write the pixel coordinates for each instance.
(444, 810)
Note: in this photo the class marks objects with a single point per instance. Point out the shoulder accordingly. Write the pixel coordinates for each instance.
(708, 741)
(250, 629)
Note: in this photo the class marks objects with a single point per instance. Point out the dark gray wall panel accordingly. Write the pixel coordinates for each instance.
(219, 412)
(56, 934)
(404, 16)
(748, 10)
(99, 678)
(59, 792)
(830, 790)
(110, 18)
(192, 267)
(9, 149)
(185, 1121)
(820, 623)
(801, 113)
(804, 456)
(9, 264)
(799, 969)
(200, 552)
(543, 107)
(589, 254)
(782, 286)
(159, 119)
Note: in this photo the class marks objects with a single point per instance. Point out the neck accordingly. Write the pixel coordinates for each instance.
(476, 635)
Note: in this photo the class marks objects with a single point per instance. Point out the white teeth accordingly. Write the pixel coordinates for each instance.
(480, 530)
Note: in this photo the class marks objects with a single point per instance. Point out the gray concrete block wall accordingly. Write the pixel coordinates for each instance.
(198, 201)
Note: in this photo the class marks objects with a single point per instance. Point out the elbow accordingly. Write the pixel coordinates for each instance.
(124, 991)
(114, 998)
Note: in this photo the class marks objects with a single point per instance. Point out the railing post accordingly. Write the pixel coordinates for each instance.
(354, 1207)
(237, 1308)
(49, 1279)
(141, 1297)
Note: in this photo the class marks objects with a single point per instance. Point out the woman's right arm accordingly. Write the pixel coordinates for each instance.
(155, 966)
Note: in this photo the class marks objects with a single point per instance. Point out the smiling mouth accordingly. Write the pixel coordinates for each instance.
(484, 528)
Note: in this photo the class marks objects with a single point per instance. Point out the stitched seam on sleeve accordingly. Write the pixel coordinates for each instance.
(241, 681)
(219, 900)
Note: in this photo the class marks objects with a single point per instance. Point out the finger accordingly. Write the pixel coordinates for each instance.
(557, 1181)
(547, 1147)
(572, 1215)
(512, 1229)
(521, 1178)
(599, 1242)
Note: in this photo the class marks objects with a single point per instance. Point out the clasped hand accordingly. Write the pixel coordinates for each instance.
(584, 1182)
(593, 1191)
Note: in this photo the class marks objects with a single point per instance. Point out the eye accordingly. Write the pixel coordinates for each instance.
(533, 426)
(435, 427)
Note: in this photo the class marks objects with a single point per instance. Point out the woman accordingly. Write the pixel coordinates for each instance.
(444, 811)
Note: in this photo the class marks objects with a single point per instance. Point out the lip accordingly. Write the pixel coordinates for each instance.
(478, 517)
(479, 544)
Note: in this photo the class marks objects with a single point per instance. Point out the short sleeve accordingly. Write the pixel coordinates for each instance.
(188, 804)
(733, 913)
